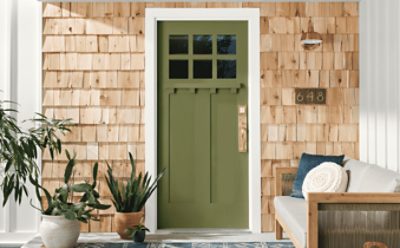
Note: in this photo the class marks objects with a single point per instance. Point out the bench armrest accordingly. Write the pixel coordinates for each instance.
(318, 201)
(317, 198)
(283, 177)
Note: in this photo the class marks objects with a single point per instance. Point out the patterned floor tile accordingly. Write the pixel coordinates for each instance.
(189, 245)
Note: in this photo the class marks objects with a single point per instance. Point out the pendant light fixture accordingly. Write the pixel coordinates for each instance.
(311, 39)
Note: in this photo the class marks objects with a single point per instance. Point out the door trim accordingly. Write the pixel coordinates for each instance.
(252, 16)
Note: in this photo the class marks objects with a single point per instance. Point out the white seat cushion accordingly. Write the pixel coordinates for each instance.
(293, 212)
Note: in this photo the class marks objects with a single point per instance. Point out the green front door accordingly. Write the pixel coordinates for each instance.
(202, 85)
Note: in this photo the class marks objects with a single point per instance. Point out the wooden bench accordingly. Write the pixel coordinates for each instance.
(318, 202)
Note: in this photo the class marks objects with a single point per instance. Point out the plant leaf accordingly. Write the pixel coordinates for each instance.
(68, 170)
(82, 187)
(95, 171)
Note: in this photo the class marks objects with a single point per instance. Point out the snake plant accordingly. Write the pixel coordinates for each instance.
(132, 195)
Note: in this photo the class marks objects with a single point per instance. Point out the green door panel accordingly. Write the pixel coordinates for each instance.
(206, 185)
(188, 153)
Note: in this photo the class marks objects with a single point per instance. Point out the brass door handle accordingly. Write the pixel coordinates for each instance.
(242, 128)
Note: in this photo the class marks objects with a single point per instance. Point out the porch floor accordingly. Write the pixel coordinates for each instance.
(172, 236)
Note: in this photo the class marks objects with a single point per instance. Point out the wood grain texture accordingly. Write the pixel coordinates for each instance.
(312, 224)
(93, 72)
(314, 199)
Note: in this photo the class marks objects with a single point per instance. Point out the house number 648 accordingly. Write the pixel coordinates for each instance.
(310, 96)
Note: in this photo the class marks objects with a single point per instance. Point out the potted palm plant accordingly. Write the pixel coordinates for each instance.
(61, 215)
(130, 197)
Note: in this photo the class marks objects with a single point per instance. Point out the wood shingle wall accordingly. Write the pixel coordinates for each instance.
(93, 72)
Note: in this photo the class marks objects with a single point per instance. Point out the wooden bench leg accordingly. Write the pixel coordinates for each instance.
(278, 230)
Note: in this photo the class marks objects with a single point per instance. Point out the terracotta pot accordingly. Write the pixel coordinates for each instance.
(58, 232)
(125, 220)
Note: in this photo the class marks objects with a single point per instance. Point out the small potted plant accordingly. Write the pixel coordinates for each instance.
(61, 215)
(138, 233)
(129, 198)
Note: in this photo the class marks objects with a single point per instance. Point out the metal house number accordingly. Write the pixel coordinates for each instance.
(310, 96)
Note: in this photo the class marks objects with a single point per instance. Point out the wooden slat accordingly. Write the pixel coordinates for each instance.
(354, 198)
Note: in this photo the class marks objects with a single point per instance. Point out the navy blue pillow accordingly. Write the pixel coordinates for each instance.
(307, 163)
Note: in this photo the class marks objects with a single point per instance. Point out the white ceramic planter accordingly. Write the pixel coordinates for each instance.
(58, 232)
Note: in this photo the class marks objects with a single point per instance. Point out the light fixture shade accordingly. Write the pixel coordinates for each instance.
(311, 39)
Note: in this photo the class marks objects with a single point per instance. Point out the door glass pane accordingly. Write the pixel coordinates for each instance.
(202, 44)
(226, 68)
(226, 44)
(178, 44)
(178, 69)
(202, 69)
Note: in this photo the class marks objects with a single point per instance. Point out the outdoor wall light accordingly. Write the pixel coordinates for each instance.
(311, 39)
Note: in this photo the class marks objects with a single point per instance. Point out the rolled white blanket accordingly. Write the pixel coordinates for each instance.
(326, 177)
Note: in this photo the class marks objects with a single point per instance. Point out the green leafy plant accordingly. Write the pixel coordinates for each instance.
(19, 149)
(138, 232)
(61, 202)
(132, 195)
(140, 227)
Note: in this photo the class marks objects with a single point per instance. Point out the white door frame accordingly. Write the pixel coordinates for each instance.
(252, 16)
